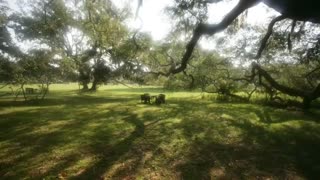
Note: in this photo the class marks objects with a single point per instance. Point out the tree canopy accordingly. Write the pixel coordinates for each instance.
(91, 42)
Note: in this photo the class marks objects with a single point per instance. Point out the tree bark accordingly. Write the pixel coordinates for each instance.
(46, 90)
(23, 92)
(85, 86)
(94, 85)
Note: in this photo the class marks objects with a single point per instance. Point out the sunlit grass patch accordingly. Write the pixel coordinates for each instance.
(110, 134)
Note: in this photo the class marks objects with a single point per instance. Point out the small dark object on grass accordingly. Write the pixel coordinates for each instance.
(161, 99)
(145, 98)
(30, 91)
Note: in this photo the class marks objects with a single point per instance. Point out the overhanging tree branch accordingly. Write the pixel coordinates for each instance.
(313, 71)
(275, 84)
(307, 96)
(268, 34)
(211, 29)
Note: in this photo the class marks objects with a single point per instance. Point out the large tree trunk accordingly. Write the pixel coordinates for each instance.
(85, 86)
(191, 85)
(84, 78)
(23, 92)
(46, 90)
(94, 85)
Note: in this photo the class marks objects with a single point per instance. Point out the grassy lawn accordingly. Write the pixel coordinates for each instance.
(111, 135)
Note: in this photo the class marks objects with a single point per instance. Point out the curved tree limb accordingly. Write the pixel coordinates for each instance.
(307, 96)
(275, 84)
(211, 29)
(279, 5)
(268, 34)
(293, 9)
(313, 71)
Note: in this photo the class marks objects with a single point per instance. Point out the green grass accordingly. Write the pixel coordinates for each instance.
(111, 135)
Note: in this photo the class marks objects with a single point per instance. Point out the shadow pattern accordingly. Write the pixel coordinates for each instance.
(86, 137)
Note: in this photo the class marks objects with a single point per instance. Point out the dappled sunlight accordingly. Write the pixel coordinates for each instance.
(101, 89)
(188, 138)
(51, 127)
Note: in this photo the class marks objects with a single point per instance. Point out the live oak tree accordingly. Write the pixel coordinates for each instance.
(6, 44)
(8, 49)
(115, 50)
(194, 12)
(93, 37)
(91, 34)
(289, 9)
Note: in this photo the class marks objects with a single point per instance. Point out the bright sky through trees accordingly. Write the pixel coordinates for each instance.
(153, 19)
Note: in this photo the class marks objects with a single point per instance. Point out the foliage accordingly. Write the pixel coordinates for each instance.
(88, 33)
(90, 42)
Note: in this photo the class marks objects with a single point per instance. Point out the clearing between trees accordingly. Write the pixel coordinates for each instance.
(110, 134)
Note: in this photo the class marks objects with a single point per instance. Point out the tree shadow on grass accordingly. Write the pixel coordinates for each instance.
(107, 135)
(29, 135)
(286, 148)
(114, 153)
(189, 138)
(265, 114)
(128, 155)
(83, 100)
(270, 115)
(30, 139)
(266, 148)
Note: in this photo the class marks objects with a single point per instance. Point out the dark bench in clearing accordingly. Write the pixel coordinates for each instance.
(146, 98)
(31, 90)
